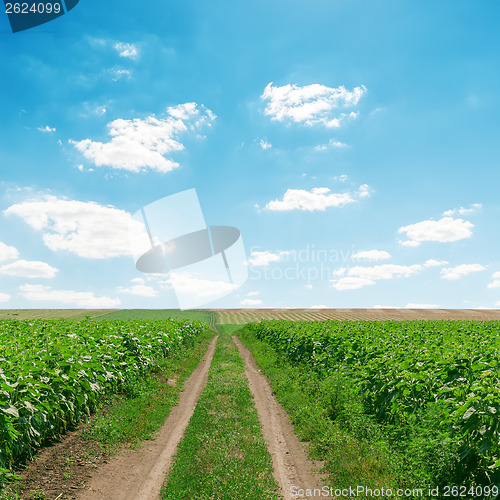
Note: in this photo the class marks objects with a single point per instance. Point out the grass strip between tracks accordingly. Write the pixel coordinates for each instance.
(223, 454)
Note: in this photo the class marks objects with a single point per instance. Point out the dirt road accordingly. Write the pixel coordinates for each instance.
(292, 468)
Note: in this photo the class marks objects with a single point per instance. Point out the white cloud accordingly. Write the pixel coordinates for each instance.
(7, 252)
(445, 230)
(435, 263)
(137, 145)
(265, 144)
(185, 283)
(311, 104)
(265, 258)
(421, 306)
(117, 73)
(126, 50)
(496, 281)
(364, 191)
(251, 302)
(351, 283)
(253, 294)
(86, 229)
(46, 129)
(309, 287)
(463, 211)
(378, 306)
(372, 255)
(319, 307)
(333, 143)
(455, 273)
(384, 271)
(4, 297)
(360, 276)
(139, 288)
(316, 199)
(339, 272)
(29, 269)
(38, 293)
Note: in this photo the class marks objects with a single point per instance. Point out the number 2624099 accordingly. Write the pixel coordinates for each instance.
(34, 8)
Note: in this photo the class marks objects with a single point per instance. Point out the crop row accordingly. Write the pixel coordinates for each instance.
(52, 373)
(403, 367)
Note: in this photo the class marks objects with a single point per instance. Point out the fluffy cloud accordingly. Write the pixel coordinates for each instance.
(7, 252)
(4, 297)
(372, 255)
(435, 263)
(86, 229)
(455, 273)
(46, 129)
(352, 283)
(251, 302)
(445, 230)
(463, 211)
(126, 49)
(333, 143)
(265, 144)
(138, 145)
(139, 288)
(421, 306)
(384, 271)
(316, 199)
(311, 104)
(185, 283)
(360, 276)
(39, 293)
(265, 258)
(253, 294)
(29, 269)
(496, 281)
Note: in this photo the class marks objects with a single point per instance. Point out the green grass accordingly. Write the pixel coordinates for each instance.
(154, 314)
(74, 314)
(330, 416)
(145, 402)
(223, 454)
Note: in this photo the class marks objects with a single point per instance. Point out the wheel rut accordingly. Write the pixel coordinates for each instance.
(292, 467)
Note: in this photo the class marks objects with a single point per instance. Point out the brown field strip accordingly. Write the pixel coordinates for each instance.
(242, 316)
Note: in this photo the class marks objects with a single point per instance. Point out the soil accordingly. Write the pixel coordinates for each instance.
(61, 469)
(242, 316)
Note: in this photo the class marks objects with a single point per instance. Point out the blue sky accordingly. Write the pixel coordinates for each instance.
(354, 144)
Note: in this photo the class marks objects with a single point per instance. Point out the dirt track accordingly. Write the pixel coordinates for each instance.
(291, 465)
(139, 474)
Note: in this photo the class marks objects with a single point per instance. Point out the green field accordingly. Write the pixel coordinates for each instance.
(433, 386)
(157, 314)
(54, 373)
(51, 313)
